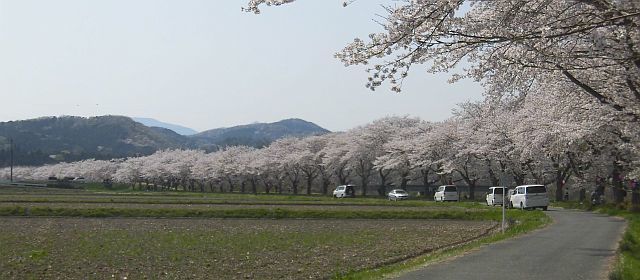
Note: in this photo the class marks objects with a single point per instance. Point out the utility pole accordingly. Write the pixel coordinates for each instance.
(11, 159)
(505, 192)
(504, 207)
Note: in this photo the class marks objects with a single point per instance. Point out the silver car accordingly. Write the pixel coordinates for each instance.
(398, 194)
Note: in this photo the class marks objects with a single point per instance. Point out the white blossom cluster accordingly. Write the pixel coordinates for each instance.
(508, 44)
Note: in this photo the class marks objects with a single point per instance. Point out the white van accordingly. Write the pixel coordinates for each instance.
(343, 191)
(446, 193)
(495, 196)
(530, 196)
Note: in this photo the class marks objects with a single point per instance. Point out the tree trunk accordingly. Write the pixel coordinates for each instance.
(559, 186)
(403, 182)
(382, 190)
(267, 186)
(365, 185)
(472, 190)
(342, 176)
(518, 177)
(192, 186)
(231, 187)
(618, 186)
(325, 185)
(471, 180)
(309, 182)
(427, 184)
(492, 175)
(254, 185)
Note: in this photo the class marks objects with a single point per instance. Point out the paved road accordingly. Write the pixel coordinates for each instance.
(577, 245)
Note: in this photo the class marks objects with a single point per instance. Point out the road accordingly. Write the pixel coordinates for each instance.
(577, 245)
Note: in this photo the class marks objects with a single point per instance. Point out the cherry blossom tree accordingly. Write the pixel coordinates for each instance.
(507, 44)
(335, 157)
(394, 136)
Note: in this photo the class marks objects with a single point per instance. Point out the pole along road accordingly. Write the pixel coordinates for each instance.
(577, 245)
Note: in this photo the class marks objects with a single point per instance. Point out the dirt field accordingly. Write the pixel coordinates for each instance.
(115, 248)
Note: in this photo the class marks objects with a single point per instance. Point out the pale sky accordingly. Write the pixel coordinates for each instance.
(202, 64)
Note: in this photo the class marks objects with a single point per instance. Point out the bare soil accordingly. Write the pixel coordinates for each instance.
(131, 248)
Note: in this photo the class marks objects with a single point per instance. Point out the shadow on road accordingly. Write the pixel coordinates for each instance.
(596, 252)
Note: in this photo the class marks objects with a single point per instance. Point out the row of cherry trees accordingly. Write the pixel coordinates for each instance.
(533, 139)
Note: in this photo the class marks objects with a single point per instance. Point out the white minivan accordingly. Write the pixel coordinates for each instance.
(495, 196)
(446, 193)
(343, 191)
(530, 197)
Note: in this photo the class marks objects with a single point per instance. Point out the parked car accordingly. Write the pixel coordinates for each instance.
(398, 194)
(446, 193)
(344, 191)
(495, 196)
(530, 197)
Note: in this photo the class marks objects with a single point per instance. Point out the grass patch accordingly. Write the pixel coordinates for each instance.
(99, 187)
(275, 213)
(95, 193)
(173, 200)
(628, 264)
(179, 198)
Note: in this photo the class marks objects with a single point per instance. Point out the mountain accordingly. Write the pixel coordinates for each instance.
(257, 134)
(182, 130)
(55, 139)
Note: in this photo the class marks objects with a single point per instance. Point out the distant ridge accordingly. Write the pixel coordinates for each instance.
(54, 139)
(68, 138)
(257, 134)
(182, 130)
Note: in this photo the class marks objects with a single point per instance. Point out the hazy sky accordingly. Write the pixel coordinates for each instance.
(201, 63)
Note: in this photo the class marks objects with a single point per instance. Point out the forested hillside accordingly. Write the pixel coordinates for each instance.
(64, 139)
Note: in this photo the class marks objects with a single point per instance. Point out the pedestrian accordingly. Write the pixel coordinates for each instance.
(566, 195)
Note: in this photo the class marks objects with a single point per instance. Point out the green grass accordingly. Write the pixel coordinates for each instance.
(277, 213)
(526, 222)
(96, 194)
(628, 264)
(628, 260)
(226, 200)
